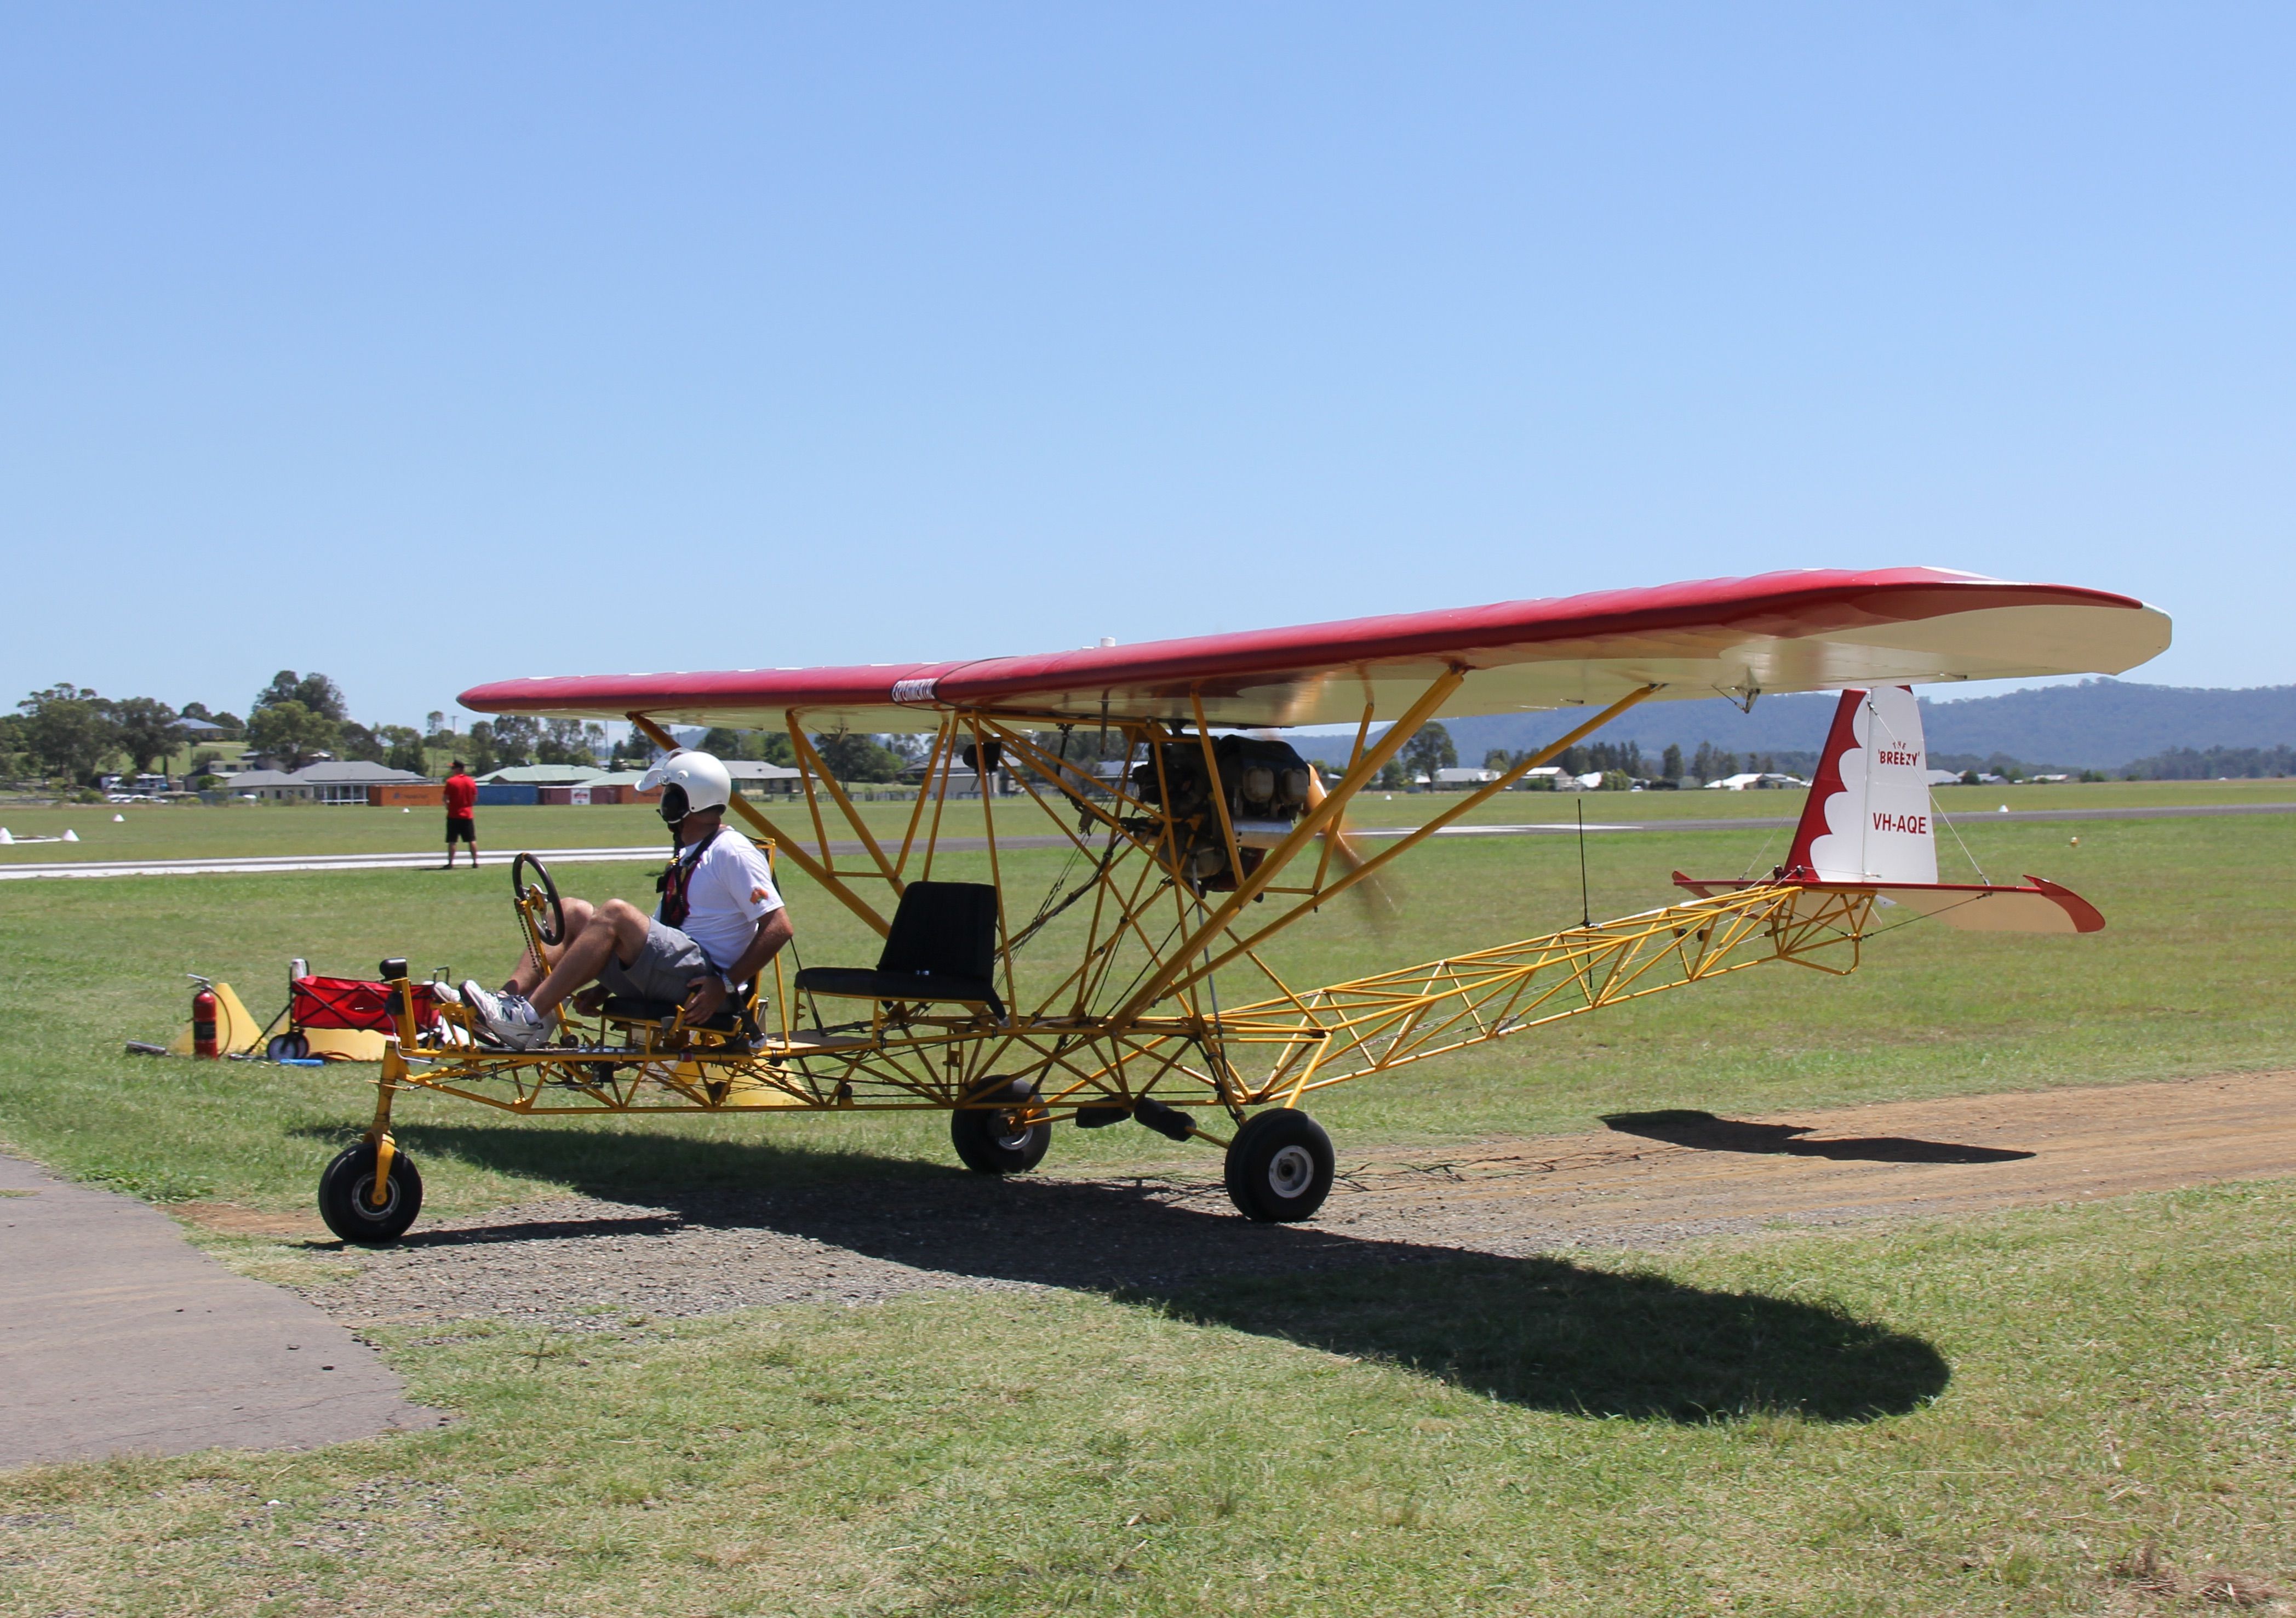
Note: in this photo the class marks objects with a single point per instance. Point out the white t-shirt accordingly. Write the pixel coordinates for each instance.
(731, 891)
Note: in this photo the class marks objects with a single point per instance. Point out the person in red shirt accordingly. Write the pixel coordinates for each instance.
(462, 826)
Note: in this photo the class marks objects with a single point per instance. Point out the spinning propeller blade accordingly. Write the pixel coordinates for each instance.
(1377, 896)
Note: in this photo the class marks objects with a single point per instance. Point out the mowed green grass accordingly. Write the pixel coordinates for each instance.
(2085, 1408)
(2189, 977)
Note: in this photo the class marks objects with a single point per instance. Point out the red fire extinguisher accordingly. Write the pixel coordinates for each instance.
(204, 1007)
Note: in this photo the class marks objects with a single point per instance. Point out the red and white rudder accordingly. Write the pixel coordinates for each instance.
(1869, 825)
(1868, 815)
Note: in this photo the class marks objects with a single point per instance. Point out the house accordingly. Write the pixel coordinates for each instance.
(1102, 779)
(963, 783)
(756, 778)
(538, 775)
(588, 786)
(331, 781)
(1755, 778)
(599, 787)
(1460, 776)
(522, 784)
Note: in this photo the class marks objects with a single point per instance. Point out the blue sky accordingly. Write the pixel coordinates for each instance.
(424, 345)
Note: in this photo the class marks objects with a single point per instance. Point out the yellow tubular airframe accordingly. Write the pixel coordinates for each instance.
(1135, 1027)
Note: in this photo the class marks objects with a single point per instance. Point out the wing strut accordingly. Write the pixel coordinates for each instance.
(1403, 844)
(1177, 971)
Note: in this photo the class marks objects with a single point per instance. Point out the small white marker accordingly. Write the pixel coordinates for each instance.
(2005, 808)
(70, 835)
(119, 820)
(4, 837)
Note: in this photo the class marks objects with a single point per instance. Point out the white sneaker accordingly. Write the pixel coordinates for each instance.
(510, 1020)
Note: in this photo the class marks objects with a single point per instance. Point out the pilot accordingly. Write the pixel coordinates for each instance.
(720, 922)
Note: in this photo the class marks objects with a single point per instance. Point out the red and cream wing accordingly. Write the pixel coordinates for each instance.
(1818, 629)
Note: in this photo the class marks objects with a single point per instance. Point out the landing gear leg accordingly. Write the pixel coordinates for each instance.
(370, 1193)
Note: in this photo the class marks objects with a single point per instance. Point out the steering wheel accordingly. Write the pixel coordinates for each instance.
(539, 903)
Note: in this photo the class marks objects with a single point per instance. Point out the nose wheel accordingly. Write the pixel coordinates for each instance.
(346, 1199)
(1279, 1167)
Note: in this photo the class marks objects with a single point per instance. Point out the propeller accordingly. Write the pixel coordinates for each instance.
(1378, 896)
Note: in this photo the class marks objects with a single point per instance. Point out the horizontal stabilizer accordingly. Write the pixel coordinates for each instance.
(2040, 905)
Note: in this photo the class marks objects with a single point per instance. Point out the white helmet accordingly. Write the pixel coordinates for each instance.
(689, 782)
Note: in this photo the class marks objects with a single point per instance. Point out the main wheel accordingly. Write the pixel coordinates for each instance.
(997, 1140)
(550, 919)
(346, 1186)
(1279, 1167)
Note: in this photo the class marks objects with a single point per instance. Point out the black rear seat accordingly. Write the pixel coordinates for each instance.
(942, 948)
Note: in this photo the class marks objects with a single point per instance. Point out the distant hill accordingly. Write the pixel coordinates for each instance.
(2100, 724)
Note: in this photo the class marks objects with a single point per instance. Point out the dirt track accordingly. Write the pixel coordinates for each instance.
(1646, 1180)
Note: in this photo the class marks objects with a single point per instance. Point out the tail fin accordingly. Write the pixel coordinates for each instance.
(1868, 817)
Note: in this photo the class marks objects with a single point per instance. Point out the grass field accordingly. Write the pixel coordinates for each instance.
(2075, 1409)
(2072, 1411)
(2189, 977)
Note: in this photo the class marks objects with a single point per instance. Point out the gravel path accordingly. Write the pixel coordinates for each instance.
(579, 1262)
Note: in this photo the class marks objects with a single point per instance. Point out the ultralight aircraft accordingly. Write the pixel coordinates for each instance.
(1210, 838)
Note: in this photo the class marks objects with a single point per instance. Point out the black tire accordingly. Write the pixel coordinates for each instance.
(551, 922)
(343, 1198)
(287, 1048)
(993, 1140)
(1279, 1167)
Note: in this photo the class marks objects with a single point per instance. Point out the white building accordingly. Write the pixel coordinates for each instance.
(332, 781)
(1757, 779)
(756, 778)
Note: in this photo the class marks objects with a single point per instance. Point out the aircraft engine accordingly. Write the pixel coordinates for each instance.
(1263, 784)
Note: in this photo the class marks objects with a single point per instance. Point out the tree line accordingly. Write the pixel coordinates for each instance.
(2214, 764)
(74, 734)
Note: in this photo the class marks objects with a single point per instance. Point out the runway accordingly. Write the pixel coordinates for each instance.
(649, 853)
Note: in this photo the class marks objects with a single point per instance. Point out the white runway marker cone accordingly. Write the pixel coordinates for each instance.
(4, 837)
(119, 820)
(70, 835)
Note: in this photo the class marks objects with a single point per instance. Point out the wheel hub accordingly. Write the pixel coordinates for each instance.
(1290, 1171)
(363, 1198)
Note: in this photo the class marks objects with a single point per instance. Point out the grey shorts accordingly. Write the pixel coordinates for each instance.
(667, 962)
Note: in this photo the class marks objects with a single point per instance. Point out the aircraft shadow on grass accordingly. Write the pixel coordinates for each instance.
(1704, 1132)
(1540, 1332)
